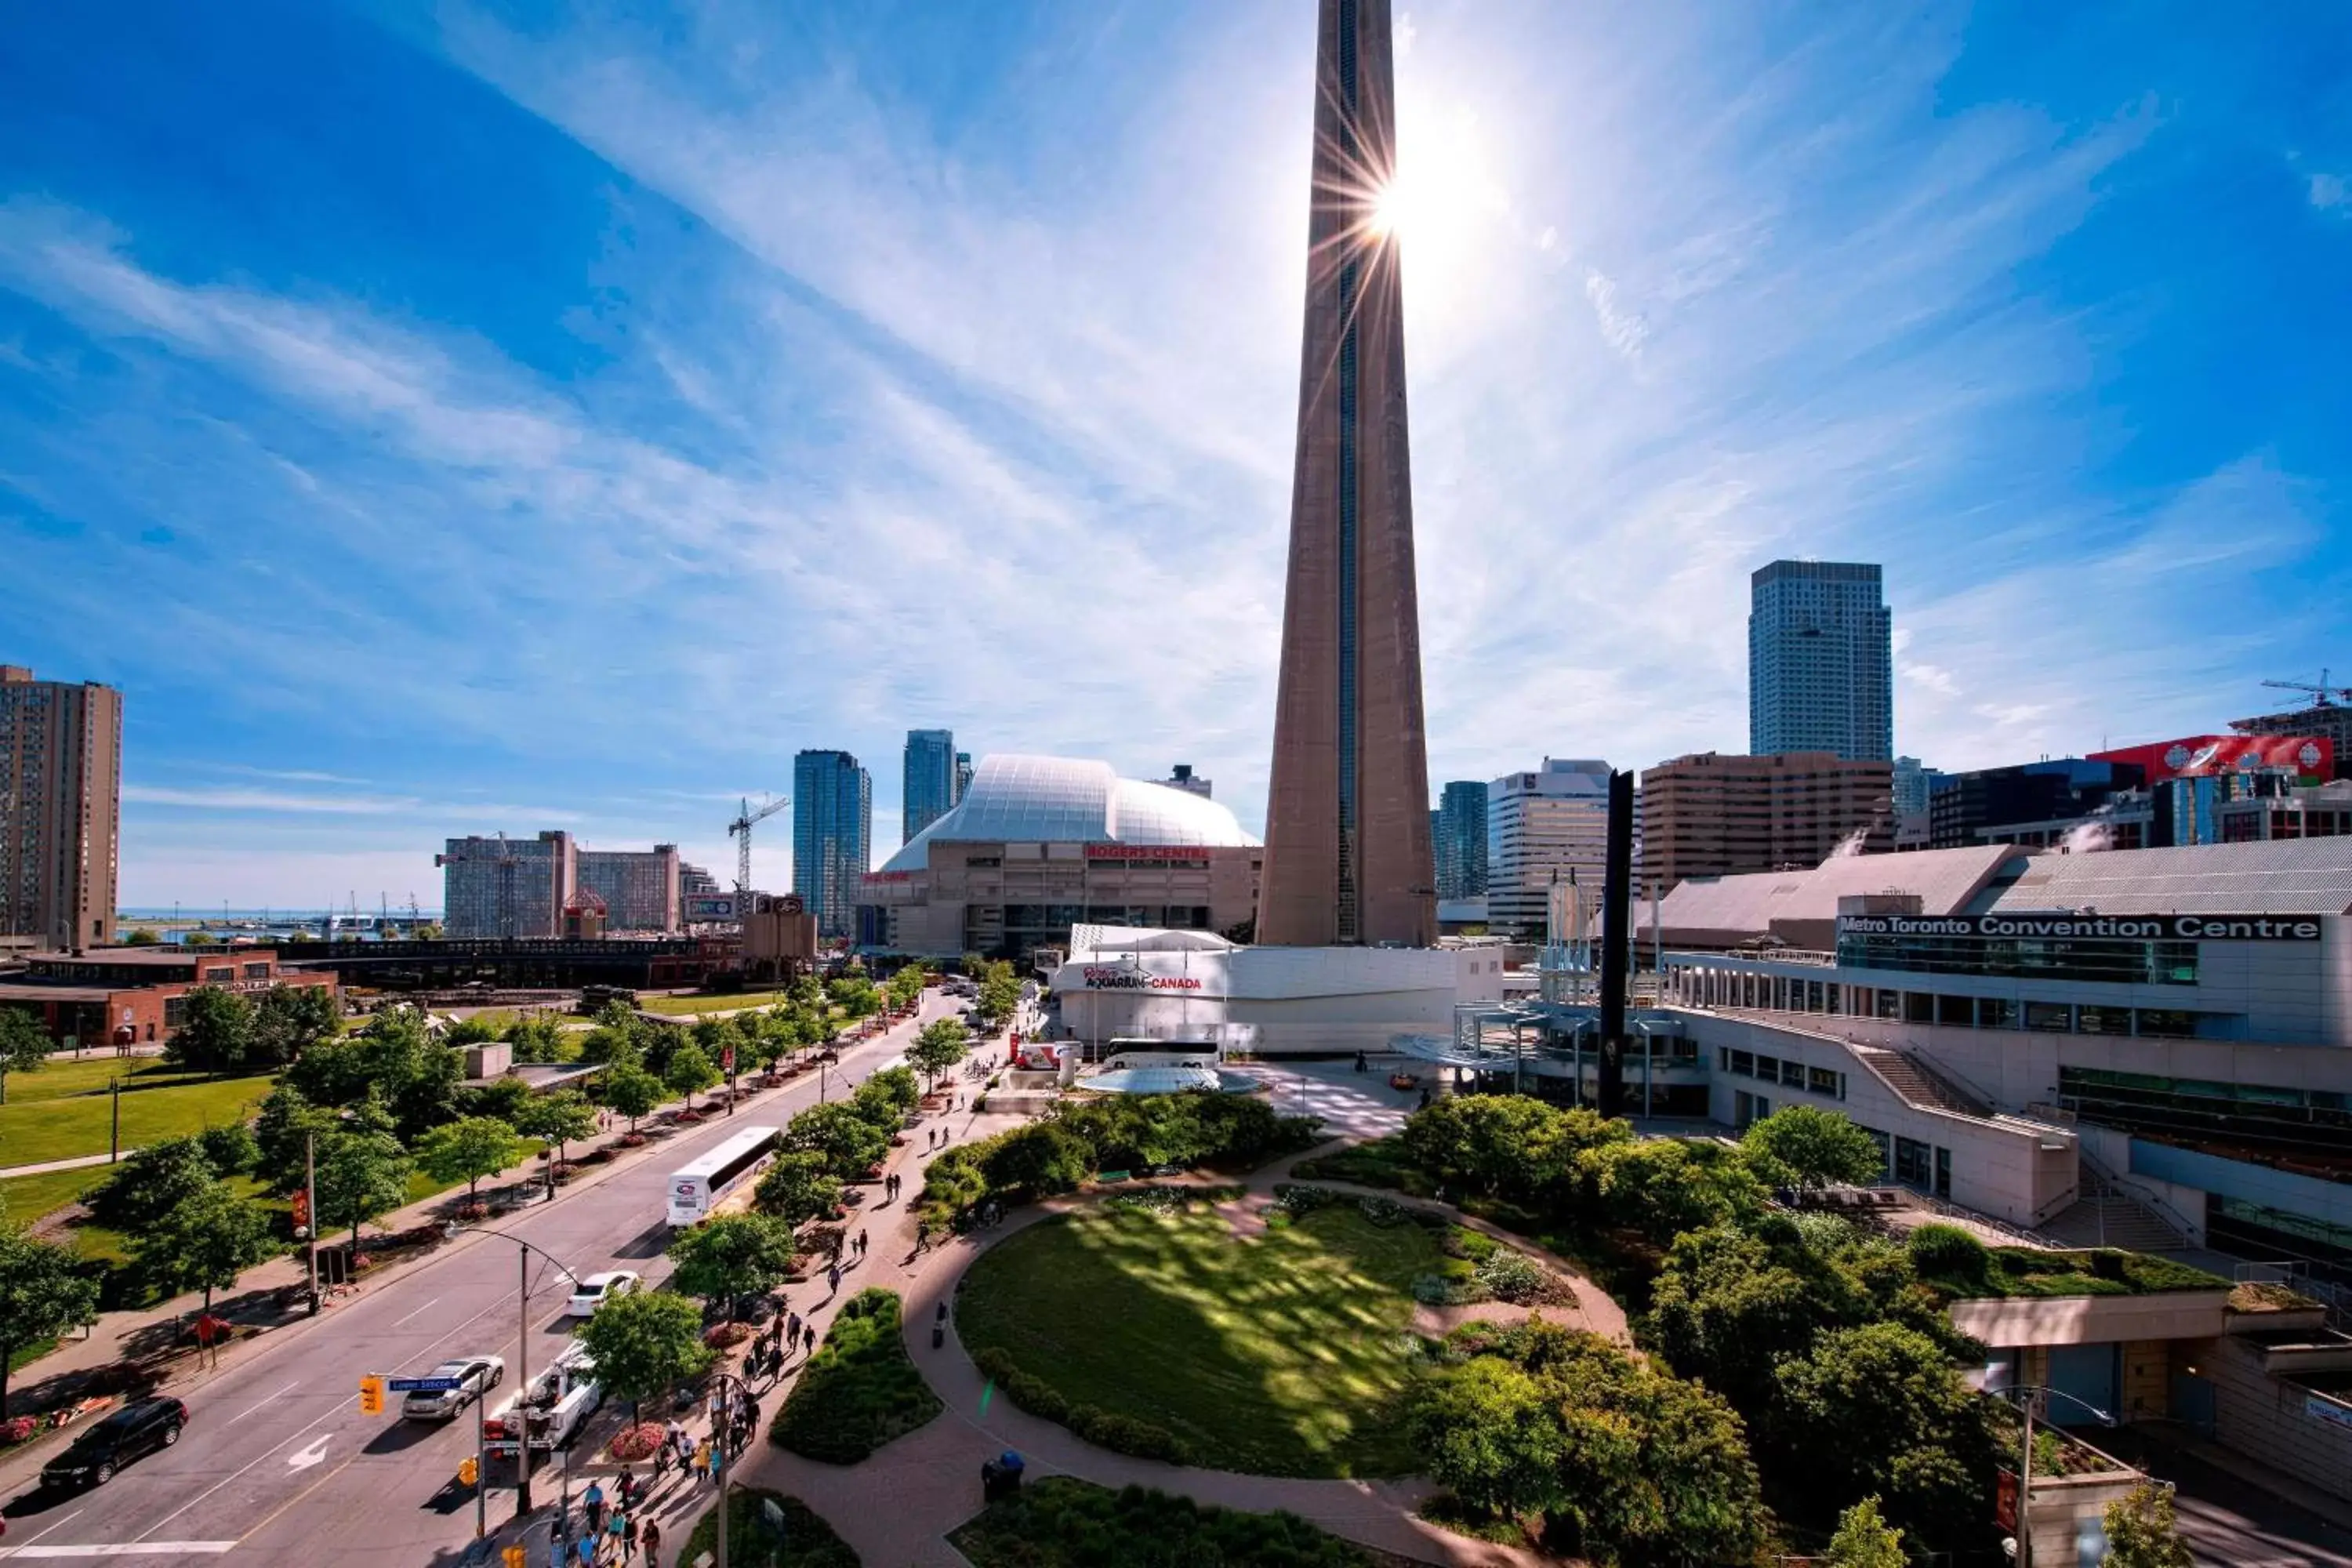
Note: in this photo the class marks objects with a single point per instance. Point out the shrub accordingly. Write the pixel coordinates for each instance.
(809, 1542)
(1438, 1290)
(1127, 1434)
(726, 1336)
(1032, 1394)
(1384, 1212)
(1513, 1276)
(859, 1391)
(18, 1429)
(1947, 1252)
(229, 1150)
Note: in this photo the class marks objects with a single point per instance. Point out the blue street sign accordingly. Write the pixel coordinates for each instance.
(424, 1384)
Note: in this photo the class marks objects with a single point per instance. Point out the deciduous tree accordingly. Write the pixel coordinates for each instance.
(1804, 1146)
(205, 1242)
(362, 1175)
(43, 1293)
(1864, 1540)
(25, 1045)
(690, 1072)
(731, 1256)
(289, 1020)
(286, 1117)
(217, 1033)
(2142, 1532)
(797, 1187)
(536, 1038)
(942, 1043)
(645, 1343)
(850, 1143)
(631, 1090)
(149, 1183)
(468, 1149)
(557, 1117)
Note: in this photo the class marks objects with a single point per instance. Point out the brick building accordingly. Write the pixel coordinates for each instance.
(60, 808)
(136, 996)
(1717, 815)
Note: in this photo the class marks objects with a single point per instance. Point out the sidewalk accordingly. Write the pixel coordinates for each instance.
(79, 1162)
(899, 1506)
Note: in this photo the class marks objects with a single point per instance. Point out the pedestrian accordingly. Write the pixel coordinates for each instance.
(832, 1277)
(627, 1488)
(792, 1328)
(585, 1549)
(616, 1533)
(650, 1539)
(594, 1501)
(661, 1459)
(702, 1462)
(629, 1540)
(808, 1340)
(861, 1244)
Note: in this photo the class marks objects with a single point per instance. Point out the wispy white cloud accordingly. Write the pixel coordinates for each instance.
(271, 801)
(2330, 192)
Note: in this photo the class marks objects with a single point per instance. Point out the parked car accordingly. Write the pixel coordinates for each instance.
(476, 1376)
(598, 1288)
(133, 1432)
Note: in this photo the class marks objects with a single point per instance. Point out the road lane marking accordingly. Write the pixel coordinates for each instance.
(259, 1403)
(225, 1480)
(315, 1454)
(420, 1311)
(124, 1549)
(61, 1524)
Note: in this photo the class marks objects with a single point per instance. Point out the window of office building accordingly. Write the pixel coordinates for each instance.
(1960, 1011)
(1913, 1163)
(2090, 1020)
(1996, 1013)
(1743, 1063)
(1918, 1007)
(1825, 1081)
(2050, 1017)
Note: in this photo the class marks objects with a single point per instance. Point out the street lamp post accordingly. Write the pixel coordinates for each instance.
(522, 1354)
(726, 1388)
(2032, 1395)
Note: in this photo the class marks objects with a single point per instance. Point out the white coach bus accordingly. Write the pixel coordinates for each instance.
(695, 1190)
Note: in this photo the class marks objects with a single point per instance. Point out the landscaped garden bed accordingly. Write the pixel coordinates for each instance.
(808, 1541)
(1954, 1262)
(1284, 1354)
(1064, 1522)
(859, 1391)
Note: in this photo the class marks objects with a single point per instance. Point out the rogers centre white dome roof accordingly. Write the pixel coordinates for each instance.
(1070, 800)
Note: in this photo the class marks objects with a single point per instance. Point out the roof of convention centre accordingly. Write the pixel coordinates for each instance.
(1070, 800)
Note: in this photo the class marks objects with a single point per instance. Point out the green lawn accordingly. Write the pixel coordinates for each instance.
(30, 1197)
(1285, 1354)
(731, 1002)
(1064, 1522)
(60, 1111)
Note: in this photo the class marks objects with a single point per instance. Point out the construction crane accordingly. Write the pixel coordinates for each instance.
(2322, 695)
(740, 831)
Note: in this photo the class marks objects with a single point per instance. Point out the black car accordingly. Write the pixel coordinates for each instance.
(137, 1429)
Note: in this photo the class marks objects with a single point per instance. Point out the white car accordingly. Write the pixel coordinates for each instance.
(476, 1376)
(598, 1288)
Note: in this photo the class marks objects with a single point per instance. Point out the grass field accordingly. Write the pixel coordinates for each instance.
(30, 1197)
(1287, 1354)
(732, 1002)
(60, 1111)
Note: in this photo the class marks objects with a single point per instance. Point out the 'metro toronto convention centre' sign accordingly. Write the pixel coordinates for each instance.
(2088, 927)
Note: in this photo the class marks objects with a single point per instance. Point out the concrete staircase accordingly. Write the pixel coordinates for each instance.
(2106, 1215)
(1917, 1083)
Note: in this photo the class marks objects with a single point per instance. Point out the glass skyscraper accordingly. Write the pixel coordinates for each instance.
(1820, 662)
(832, 836)
(929, 790)
(1460, 830)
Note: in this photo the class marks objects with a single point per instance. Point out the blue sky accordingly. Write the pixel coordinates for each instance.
(443, 419)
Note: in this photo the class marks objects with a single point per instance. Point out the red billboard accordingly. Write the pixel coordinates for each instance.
(2202, 756)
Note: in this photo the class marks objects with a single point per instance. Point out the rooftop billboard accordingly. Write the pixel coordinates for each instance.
(2202, 756)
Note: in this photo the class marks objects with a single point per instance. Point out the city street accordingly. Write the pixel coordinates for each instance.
(279, 1465)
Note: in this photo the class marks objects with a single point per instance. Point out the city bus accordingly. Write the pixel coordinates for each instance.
(695, 1190)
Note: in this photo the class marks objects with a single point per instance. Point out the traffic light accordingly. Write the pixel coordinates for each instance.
(513, 1556)
(371, 1396)
(469, 1471)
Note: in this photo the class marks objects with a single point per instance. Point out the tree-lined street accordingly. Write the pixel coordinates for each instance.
(276, 1457)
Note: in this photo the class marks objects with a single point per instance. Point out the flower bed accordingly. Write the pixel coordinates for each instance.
(726, 1336)
(634, 1443)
